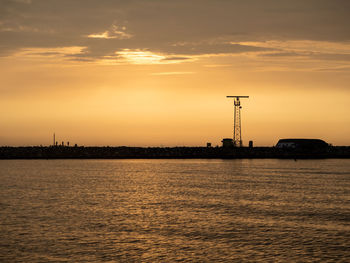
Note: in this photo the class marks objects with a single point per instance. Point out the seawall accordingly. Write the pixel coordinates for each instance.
(61, 152)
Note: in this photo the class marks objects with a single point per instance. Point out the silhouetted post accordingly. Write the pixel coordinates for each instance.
(250, 144)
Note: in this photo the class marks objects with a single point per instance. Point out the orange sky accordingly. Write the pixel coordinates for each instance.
(152, 73)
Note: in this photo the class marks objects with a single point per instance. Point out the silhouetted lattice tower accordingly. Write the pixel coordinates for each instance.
(237, 133)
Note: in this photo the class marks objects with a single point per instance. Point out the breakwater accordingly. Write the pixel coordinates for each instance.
(62, 152)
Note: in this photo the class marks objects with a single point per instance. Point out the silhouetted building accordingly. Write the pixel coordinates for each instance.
(301, 144)
(227, 143)
(250, 144)
(208, 144)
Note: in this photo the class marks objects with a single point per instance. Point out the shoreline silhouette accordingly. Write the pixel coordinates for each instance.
(124, 152)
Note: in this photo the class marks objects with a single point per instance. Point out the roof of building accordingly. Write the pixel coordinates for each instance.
(304, 142)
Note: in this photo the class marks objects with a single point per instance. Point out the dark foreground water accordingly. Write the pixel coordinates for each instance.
(175, 210)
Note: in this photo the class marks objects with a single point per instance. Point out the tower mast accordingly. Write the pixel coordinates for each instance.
(237, 133)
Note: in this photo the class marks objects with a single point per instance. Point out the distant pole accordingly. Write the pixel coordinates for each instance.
(237, 133)
(54, 139)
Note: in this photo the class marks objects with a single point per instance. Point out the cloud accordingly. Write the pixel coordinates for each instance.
(302, 45)
(282, 54)
(166, 54)
(105, 35)
(181, 30)
(56, 53)
(217, 65)
(116, 32)
(23, 1)
(16, 28)
(332, 56)
(204, 48)
(178, 58)
(335, 69)
(172, 73)
(140, 56)
(307, 50)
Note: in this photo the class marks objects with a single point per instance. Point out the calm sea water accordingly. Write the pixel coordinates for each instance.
(175, 210)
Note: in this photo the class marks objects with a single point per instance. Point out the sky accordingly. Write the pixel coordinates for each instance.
(157, 72)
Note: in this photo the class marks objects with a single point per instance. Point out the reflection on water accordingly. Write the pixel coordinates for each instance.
(169, 210)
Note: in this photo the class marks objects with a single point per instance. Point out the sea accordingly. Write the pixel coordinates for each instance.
(242, 210)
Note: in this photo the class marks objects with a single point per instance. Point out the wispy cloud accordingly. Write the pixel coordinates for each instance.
(62, 52)
(137, 56)
(217, 65)
(172, 73)
(335, 69)
(10, 26)
(300, 47)
(140, 57)
(101, 35)
(115, 32)
(23, 1)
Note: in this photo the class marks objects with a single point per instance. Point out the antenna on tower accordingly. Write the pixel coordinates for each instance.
(237, 134)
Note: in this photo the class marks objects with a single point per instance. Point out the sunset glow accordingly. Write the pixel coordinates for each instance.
(151, 73)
